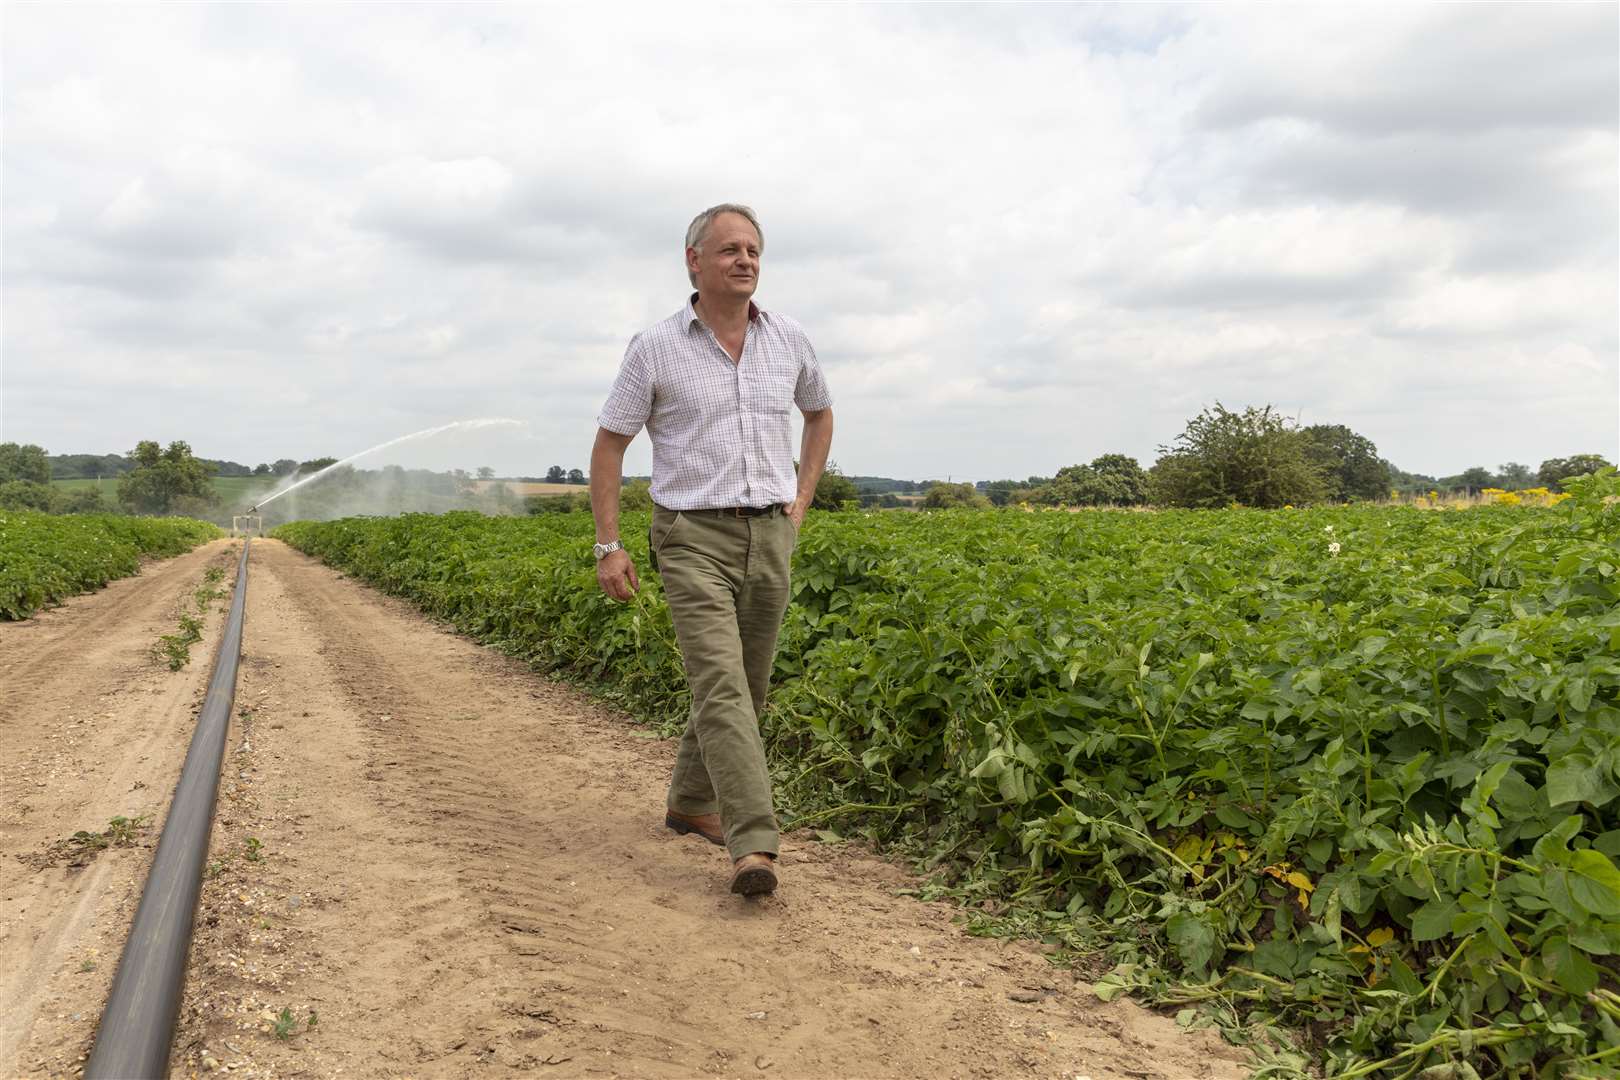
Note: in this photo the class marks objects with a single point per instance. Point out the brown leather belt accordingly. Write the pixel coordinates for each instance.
(739, 511)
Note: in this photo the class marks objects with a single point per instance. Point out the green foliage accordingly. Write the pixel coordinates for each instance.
(1373, 790)
(558, 504)
(834, 489)
(81, 501)
(24, 462)
(285, 1024)
(169, 481)
(946, 496)
(1472, 480)
(49, 498)
(46, 558)
(27, 495)
(1110, 480)
(121, 831)
(634, 496)
(1514, 476)
(1554, 471)
(1253, 458)
(175, 649)
(88, 466)
(1349, 463)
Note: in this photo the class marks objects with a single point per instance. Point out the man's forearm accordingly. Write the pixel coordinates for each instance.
(813, 448)
(607, 464)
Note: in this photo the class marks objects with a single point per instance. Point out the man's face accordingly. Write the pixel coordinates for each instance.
(728, 266)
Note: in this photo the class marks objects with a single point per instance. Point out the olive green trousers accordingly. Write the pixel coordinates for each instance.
(726, 581)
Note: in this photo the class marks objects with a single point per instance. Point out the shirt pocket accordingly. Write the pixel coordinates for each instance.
(771, 386)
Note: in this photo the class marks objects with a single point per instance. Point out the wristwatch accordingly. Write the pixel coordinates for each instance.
(602, 551)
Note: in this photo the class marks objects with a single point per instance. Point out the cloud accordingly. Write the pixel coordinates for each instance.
(1020, 236)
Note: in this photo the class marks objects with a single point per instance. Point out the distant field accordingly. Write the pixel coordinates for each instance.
(525, 490)
(235, 492)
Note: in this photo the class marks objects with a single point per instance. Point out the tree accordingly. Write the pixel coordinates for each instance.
(27, 463)
(261, 469)
(1110, 480)
(485, 472)
(83, 501)
(1410, 483)
(1349, 463)
(1254, 458)
(833, 489)
(576, 476)
(556, 475)
(25, 495)
(168, 481)
(1554, 471)
(284, 467)
(315, 465)
(944, 496)
(1473, 480)
(999, 492)
(1124, 478)
(1514, 476)
(88, 466)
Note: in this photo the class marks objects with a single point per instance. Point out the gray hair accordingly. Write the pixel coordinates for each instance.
(700, 227)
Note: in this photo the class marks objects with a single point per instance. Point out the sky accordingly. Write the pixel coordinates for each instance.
(1019, 237)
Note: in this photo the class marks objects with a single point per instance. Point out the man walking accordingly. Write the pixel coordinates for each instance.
(714, 385)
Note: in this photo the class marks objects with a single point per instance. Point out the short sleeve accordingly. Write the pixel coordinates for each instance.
(629, 404)
(810, 393)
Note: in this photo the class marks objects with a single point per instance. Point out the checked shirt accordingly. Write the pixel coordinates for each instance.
(722, 432)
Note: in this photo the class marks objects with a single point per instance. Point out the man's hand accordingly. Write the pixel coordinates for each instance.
(617, 575)
(795, 512)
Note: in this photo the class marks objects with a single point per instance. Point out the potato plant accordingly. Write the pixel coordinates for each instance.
(1355, 770)
(46, 557)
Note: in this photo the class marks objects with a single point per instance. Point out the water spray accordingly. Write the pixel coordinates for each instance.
(423, 434)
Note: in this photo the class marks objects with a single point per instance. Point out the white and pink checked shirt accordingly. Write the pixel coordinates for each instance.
(722, 432)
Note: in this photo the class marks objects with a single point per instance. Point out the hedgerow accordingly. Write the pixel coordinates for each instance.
(1352, 770)
(46, 557)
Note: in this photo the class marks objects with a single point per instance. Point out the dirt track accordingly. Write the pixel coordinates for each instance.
(459, 868)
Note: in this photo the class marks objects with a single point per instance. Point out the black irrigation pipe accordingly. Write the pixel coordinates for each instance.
(137, 1026)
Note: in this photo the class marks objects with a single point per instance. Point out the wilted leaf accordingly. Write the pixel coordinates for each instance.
(1193, 940)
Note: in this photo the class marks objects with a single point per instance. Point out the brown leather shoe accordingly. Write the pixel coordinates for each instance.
(753, 875)
(705, 825)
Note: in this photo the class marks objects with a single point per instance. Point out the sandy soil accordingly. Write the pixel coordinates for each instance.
(429, 861)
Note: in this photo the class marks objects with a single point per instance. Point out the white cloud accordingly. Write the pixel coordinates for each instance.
(1020, 236)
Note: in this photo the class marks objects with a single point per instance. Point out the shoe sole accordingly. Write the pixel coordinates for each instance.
(682, 828)
(754, 881)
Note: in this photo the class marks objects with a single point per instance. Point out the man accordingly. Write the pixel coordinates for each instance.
(714, 385)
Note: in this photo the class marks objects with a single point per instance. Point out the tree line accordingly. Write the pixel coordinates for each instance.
(1258, 458)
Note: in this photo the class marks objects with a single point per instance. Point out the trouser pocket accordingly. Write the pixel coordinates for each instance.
(663, 523)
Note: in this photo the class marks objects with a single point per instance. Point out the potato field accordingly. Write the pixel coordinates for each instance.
(46, 557)
(1351, 771)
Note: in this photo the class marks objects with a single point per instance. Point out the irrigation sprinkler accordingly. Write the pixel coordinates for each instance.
(137, 1025)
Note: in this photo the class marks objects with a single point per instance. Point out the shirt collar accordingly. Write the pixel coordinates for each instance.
(692, 316)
